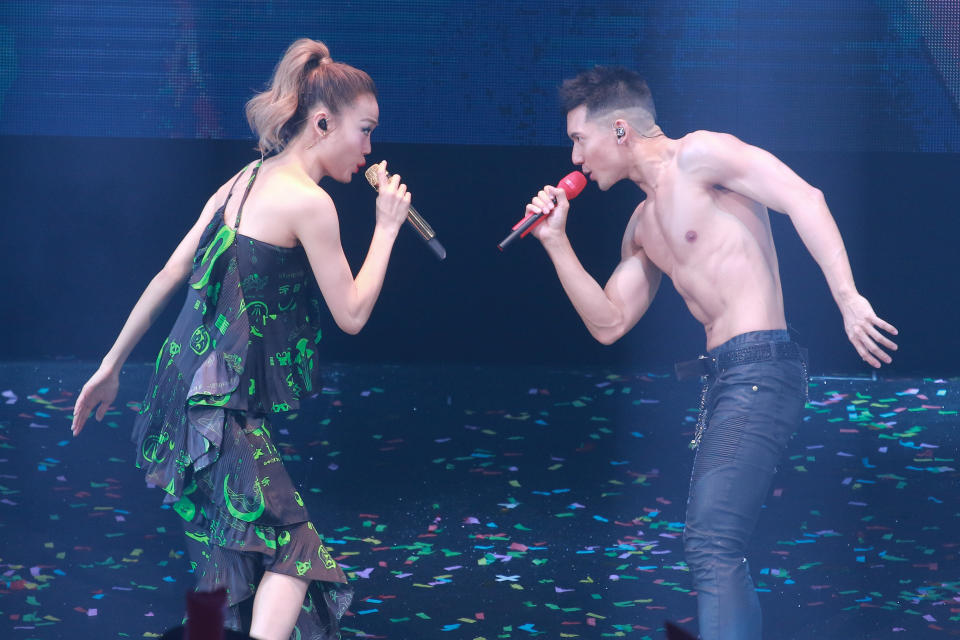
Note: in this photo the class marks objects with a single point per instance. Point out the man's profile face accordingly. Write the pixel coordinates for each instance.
(594, 148)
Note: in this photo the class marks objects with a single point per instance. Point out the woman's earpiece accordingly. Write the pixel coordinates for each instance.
(620, 132)
(322, 123)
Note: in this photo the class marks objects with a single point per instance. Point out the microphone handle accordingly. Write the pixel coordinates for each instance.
(520, 230)
(426, 232)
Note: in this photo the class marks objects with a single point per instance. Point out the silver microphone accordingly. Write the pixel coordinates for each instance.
(414, 219)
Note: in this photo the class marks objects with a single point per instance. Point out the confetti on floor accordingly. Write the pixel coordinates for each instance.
(500, 502)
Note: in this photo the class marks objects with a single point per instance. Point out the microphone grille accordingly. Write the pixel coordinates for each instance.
(371, 175)
(573, 183)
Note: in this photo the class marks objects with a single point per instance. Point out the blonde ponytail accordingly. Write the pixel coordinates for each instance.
(304, 77)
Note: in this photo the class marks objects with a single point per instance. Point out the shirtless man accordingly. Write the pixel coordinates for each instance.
(704, 223)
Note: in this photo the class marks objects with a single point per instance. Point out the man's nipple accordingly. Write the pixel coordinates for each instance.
(691, 236)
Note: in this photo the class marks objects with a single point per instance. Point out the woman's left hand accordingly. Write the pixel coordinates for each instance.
(101, 389)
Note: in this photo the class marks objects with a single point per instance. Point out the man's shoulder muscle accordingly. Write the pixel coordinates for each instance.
(632, 241)
(700, 147)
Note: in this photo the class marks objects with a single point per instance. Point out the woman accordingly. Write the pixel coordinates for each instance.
(244, 347)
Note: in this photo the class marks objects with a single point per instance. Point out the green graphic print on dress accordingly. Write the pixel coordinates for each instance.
(243, 349)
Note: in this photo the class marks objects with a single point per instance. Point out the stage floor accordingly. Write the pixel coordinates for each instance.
(500, 502)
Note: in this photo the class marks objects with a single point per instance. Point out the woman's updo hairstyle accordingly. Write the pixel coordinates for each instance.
(304, 77)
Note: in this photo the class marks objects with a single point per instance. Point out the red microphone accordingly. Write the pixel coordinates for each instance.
(572, 184)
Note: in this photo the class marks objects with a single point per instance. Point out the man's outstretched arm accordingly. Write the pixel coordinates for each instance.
(722, 159)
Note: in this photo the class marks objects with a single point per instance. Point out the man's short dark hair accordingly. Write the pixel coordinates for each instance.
(605, 89)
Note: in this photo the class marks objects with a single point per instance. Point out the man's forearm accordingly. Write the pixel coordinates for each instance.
(602, 318)
(820, 235)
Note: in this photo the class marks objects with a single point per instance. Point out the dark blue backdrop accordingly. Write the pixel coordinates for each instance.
(819, 74)
(119, 118)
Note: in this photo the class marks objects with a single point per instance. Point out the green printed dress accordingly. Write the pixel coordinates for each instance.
(243, 349)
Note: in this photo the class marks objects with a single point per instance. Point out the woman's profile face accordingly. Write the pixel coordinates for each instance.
(348, 137)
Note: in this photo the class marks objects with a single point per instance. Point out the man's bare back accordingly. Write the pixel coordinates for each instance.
(717, 248)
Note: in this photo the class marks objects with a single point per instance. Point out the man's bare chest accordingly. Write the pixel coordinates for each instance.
(682, 227)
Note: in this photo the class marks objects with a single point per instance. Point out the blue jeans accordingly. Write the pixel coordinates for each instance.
(751, 411)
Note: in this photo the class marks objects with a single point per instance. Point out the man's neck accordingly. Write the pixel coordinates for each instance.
(651, 155)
